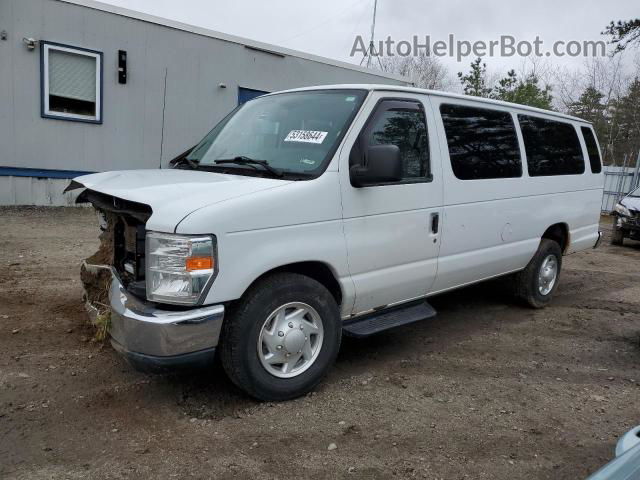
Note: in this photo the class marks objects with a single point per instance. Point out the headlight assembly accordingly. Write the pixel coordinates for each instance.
(179, 268)
(622, 210)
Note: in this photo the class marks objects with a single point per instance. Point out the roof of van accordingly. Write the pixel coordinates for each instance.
(254, 44)
(394, 88)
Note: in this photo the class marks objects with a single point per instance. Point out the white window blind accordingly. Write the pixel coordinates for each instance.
(72, 75)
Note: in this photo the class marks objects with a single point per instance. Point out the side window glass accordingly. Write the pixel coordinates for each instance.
(592, 149)
(482, 142)
(402, 123)
(552, 147)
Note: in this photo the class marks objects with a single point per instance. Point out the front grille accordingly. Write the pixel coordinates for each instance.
(129, 249)
(124, 236)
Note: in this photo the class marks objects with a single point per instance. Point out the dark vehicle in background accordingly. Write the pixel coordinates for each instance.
(626, 219)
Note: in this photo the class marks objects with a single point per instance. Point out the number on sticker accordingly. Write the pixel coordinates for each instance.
(306, 136)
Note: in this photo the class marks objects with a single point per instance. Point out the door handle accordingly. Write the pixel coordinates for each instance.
(435, 222)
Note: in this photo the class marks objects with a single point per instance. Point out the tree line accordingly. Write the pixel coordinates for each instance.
(600, 92)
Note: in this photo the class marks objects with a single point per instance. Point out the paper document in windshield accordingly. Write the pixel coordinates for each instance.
(306, 136)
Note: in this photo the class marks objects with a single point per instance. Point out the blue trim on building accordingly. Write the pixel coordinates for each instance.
(40, 172)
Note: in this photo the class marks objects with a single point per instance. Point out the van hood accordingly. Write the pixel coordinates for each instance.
(632, 203)
(173, 194)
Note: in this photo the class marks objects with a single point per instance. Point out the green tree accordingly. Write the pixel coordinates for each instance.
(623, 33)
(591, 106)
(627, 118)
(524, 92)
(475, 82)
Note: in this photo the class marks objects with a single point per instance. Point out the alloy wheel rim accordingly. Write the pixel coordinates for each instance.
(290, 340)
(547, 275)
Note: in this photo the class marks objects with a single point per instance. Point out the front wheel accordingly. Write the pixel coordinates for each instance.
(282, 337)
(538, 281)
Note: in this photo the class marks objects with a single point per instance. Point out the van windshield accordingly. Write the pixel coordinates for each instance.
(295, 133)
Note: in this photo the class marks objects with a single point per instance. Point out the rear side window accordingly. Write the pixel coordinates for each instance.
(482, 142)
(552, 147)
(592, 150)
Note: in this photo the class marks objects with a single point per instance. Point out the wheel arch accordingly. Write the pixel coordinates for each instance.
(559, 232)
(319, 271)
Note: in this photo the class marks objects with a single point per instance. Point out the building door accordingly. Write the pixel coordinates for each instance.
(246, 94)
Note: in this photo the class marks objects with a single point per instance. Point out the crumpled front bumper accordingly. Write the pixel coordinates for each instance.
(154, 339)
(630, 224)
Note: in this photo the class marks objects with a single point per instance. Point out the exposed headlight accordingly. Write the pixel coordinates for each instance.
(622, 210)
(178, 267)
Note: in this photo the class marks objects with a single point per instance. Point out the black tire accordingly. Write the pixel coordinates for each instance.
(241, 331)
(617, 234)
(527, 281)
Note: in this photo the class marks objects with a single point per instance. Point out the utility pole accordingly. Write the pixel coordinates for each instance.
(372, 50)
(373, 33)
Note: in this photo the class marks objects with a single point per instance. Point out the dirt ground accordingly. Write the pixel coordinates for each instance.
(487, 390)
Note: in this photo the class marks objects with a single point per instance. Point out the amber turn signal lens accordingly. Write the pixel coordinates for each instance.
(198, 263)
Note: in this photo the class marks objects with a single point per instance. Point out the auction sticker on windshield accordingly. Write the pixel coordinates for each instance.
(306, 136)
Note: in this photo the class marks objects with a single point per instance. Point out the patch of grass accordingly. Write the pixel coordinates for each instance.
(102, 324)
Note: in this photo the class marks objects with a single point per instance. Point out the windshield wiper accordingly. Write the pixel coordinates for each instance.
(183, 159)
(193, 164)
(242, 160)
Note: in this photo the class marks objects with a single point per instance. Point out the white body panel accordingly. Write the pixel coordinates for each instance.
(299, 222)
(377, 241)
(173, 194)
(494, 226)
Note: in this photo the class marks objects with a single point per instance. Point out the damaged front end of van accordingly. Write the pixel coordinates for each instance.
(146, 284)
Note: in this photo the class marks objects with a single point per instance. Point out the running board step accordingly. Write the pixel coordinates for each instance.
(389, 318)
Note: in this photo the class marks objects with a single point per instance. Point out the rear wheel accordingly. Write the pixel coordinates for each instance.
(617, 234)
(282, 337)
(538, 281)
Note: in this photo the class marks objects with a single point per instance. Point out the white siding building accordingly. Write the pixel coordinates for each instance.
(89, 87)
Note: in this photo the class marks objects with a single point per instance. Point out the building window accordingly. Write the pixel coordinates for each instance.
(552, 147)
(482, 142)
(71, 82)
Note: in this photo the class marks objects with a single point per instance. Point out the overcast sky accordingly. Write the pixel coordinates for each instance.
(328, 27)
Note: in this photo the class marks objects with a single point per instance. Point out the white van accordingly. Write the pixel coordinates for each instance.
(312, 213)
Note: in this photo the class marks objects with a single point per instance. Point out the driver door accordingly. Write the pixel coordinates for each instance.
(392, 230)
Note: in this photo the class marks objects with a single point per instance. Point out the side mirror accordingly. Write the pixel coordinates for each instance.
(383, 165)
